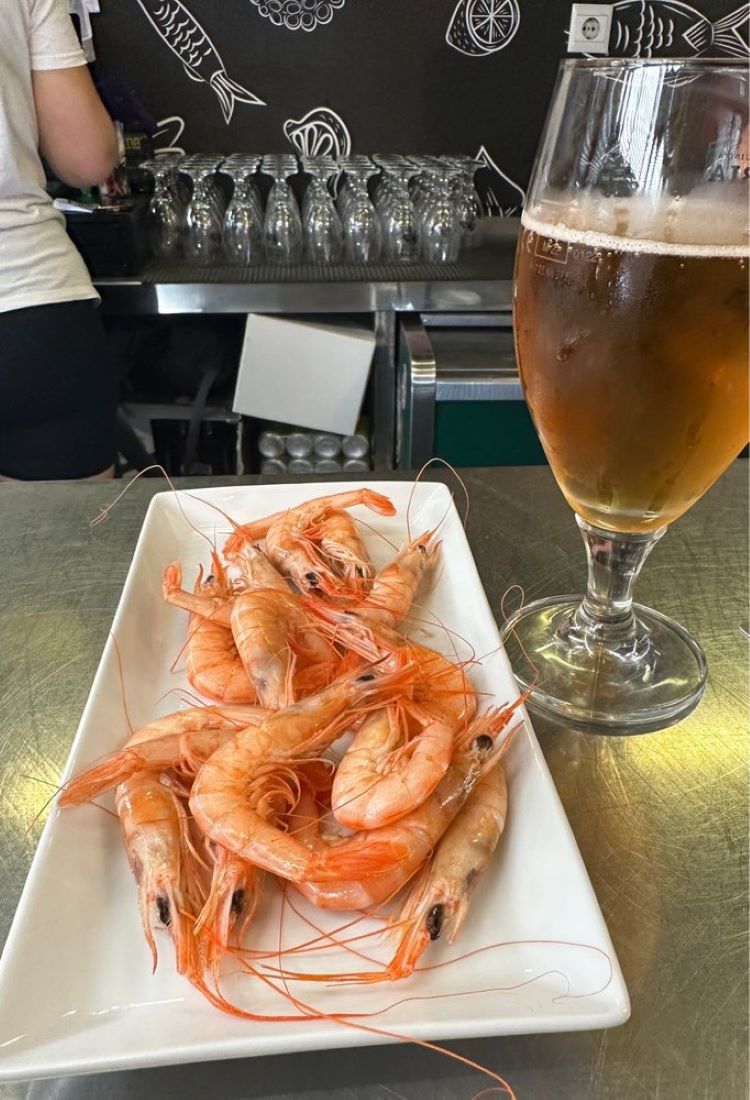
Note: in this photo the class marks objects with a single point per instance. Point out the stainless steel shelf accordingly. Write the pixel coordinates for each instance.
(484, 285)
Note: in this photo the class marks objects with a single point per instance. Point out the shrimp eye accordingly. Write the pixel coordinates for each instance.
(210, 578)
(422, 548)
(165, 916)
(312, 579)
(484, 742)
(360, 571)
(435, 921)
(238, 901)
(368, 676)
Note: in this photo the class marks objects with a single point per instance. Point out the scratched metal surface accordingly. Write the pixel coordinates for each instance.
(661, 820)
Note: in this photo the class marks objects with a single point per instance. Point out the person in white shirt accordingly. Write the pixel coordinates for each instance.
(58, 392)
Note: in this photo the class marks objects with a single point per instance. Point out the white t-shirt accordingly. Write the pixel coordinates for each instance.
(38, 261)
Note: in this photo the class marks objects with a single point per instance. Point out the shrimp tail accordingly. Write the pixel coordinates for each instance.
(102, 776)
(379, 503)
(372, 857)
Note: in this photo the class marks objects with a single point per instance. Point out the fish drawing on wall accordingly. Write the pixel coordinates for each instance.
(321, 132)
(482, 27)
(169, 132)
(200, 59)
(670, 28)
(298, 15)
(503, 197)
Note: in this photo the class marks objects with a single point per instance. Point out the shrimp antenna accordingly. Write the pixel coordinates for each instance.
(459, 479)
(105, 509)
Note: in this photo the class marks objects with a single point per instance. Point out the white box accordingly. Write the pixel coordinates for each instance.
(302, 373)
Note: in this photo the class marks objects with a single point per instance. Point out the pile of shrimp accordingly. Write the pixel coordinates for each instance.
(296, 641)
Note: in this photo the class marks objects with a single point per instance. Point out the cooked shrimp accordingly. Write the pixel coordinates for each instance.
(153, 829)
(218, 608)
(395, 586)
(219, 801)
(270, 628)
(180, 737)
(290, 551)
(233, 898)
(256, 570)
(220, 808)
(442, 685)
(213, 664)
(439, 900)
(385, 774)
(341, 545)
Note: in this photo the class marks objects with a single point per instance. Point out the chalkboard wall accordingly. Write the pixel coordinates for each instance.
(427, 76)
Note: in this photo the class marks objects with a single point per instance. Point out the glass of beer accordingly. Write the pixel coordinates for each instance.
(631, 327)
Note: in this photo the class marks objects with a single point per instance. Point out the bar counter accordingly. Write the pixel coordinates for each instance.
(661, 819)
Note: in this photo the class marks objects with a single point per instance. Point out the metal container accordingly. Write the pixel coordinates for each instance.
(299, 445)
(356, 465)
(355, 446)
(271, 444)
(273, 466)
(327, 446)
(327, 466)
(300, 466)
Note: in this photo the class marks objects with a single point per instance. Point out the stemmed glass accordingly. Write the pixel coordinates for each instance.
(282, 230)
(323, 233)
(166, 217)
(440, 226)
(631, 319)
(205, 213)
(243, 221)
(399, 218)
(362, 230)
(468, 203)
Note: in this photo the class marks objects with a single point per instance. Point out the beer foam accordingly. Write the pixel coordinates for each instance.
(668, 228)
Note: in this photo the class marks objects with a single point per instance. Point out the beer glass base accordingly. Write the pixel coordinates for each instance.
(574, 679)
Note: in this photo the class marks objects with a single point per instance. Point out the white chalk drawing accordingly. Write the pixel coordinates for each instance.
(504, 197)
(669, 28)
(482, 27)
(298, 15)
(321, 132)
(200, 59)
(166, 138)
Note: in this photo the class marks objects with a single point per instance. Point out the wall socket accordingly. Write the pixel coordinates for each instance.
(589, 28)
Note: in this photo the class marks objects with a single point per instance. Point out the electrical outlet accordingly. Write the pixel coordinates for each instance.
(589, 28)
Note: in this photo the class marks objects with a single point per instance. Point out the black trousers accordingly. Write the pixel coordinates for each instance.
(58, 393)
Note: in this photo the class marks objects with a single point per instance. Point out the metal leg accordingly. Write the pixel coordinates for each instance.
(384, 390)
(416, 394)
(239, 440)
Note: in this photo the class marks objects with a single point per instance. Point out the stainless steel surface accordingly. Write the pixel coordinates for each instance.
(456, 362)
(489, 289)
(415, 394)
(384, 391)
(661, 820)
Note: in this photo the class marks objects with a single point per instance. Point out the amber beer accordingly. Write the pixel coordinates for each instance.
(633, 355)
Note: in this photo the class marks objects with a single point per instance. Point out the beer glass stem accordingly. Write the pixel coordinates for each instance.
(614, 564)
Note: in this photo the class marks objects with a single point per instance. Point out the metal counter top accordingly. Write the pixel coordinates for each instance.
(661, 820)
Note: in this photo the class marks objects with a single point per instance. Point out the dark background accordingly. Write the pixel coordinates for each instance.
(383, 65)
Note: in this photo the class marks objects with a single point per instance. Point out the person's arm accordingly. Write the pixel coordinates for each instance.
(76, 135)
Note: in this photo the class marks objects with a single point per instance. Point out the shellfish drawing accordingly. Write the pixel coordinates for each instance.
(298, 15)
(321, 132)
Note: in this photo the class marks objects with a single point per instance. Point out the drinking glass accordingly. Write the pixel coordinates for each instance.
(166, 218)
(631, 317)
(323, 233)
(440, 226)
(283, 232)
(399, 218)
(362, 230)
(205, 213)
(243, 221)
(468, 203)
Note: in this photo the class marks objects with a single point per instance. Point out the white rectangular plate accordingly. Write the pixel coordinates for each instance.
(76, 989)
